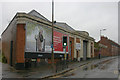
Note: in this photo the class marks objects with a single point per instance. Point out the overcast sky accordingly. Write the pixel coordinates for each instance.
(83, 16)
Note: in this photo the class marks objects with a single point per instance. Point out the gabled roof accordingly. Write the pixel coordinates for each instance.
(61, 24)
(38, 15)
(83, 32)
(114, 43)
(110, 41)
(65, 26)
(35, 16)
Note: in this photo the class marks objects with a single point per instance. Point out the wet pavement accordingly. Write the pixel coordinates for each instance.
(0, 70)
(103, 69)
(10, 72)
(91, 70)
(37, 72)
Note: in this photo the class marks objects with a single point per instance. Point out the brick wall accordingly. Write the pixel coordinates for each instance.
(55, 60)
(111, 50)
(77, 40)
(7, 36)
(0, 45)
(14, 33)
(20, 46)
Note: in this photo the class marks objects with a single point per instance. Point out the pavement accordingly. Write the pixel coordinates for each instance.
(44, 71)
(38, 72)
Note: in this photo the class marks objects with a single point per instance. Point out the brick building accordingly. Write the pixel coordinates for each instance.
(0, 45)
(112, 48)
(28, 38)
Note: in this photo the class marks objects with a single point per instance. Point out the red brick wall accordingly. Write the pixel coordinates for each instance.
(106, 42)
(7, 36)
(96, 53)
(20, 46)
(109, 51)
(55, 60)
(0, 45)
(77, 40)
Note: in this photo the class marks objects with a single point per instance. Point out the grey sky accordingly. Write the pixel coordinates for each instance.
(88, 16)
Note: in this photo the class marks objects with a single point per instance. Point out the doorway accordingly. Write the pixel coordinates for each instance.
(77, 54)
(71, 48)
(84, 50)
(11, 52)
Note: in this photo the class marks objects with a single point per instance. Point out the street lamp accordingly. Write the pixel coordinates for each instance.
(101, 31)
(100, 39)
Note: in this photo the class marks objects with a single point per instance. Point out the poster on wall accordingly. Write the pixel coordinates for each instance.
(58, 45)
(38, 38)
(78, 46)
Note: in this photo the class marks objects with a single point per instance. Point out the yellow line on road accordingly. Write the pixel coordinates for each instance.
(60, 75)
(70, 71)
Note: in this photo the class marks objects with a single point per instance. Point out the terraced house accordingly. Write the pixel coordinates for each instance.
(111, 48)
(28, 38)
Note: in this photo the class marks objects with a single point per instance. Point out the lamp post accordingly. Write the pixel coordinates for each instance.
(100, 39)
(101, 31)
(52, 45)
(36, 42)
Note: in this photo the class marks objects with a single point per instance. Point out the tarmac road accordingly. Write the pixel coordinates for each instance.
(108, 68)
(105, 69)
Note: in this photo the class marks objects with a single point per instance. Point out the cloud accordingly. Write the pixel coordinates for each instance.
(88, 16)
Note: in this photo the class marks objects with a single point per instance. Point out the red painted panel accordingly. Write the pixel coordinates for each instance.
(58, 36)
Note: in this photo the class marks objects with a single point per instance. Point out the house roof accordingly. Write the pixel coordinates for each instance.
(61, 24)
(83, 32)
(110, 41)
(38, 15)
(35, 16)
(65, 26)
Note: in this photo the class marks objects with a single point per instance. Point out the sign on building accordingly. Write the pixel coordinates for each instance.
(39, 39)
(78, 46)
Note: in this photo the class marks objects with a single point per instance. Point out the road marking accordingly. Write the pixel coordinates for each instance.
(60, 75)
(56, 76)
(70, 71)
(82, 66)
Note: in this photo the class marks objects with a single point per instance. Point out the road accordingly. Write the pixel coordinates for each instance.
(95, 69)
(103, 68)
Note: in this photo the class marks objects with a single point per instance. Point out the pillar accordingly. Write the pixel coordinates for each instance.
(20, 46)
